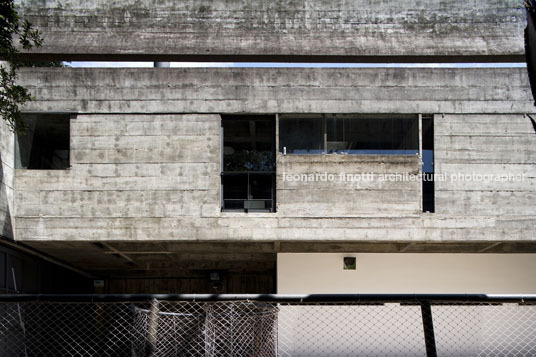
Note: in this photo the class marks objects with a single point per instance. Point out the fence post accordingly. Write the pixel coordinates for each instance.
(428, 327)
(153, 328)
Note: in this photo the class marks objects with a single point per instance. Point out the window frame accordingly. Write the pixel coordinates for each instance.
(358, 116)
(271, 173)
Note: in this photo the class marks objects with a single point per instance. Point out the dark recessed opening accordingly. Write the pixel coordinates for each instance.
(350, 263)
(428, 195)
(44, 144)
(248, 176)
(349, 134)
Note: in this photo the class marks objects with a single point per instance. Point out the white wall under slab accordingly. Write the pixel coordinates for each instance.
(308, 273)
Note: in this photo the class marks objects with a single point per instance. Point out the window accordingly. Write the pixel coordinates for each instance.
(248, 176)
(428, 199)
(44, 145)
(349, 134)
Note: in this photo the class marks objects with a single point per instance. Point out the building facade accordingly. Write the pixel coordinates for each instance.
(260, 180)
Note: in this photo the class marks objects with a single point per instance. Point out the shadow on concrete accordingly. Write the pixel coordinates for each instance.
(5, 213)
(533, 123)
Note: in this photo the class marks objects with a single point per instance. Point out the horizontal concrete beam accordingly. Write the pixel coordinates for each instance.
(279, 90)
(258, 30)
(424, 228)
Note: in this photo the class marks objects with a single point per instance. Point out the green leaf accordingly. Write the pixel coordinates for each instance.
(13, 96)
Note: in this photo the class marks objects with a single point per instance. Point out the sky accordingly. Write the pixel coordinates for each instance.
(297, 65)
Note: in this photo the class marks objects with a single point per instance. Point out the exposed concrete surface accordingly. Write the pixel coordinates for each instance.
(146, 145)
(470, 145)
(356, 28)
(279, 90)
(336, 196)
(7, 158)
(144, 175)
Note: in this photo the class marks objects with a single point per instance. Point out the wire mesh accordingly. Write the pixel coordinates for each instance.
(239, 328)
(265, 329)
(350, 330)
(163, 329)
(65, 329)
(485, 330)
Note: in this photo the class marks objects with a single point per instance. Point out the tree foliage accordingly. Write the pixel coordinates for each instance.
(12, 28)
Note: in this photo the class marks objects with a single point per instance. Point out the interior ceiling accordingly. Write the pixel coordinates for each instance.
(110, 259)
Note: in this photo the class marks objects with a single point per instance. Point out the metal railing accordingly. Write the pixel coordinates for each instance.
(267, 325)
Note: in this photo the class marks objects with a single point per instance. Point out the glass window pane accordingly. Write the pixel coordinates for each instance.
(248, 162)
(360, 134)
(248, 143)
(233, 204)
(428, 194)
(260, 186)
(301, 136)
(235, 186)
(383, 136)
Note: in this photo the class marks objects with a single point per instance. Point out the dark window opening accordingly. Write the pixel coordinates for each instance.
(248, 177)
(349, 134)
(44, 144)
(428, 195)
(301, 135)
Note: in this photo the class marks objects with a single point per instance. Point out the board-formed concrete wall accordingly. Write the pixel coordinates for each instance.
(310, 30)
(7, 159)
(490, 163)
(279, 90)
(346, 185)
(301, 29)
(130, 166)
(145, 155)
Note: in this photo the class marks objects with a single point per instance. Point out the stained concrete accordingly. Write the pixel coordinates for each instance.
(146, 145)
(303, 30)
(469, 144)
(276, 90)
(7, 159)
(151, 172)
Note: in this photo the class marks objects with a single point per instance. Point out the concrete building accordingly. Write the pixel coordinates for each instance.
(257, 180)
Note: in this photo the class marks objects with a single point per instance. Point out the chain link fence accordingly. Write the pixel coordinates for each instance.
(264, 326)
